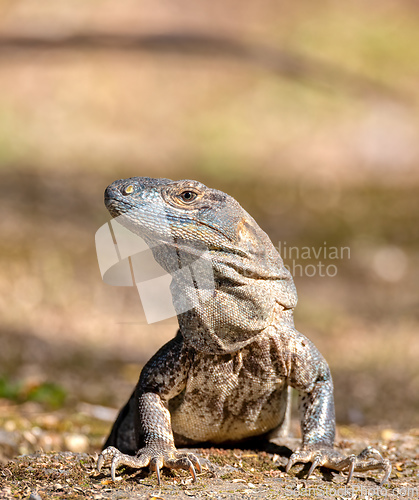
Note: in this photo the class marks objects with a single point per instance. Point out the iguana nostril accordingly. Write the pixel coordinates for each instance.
(128, 190)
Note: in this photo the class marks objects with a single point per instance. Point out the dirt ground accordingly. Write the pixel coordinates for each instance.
(233, 473)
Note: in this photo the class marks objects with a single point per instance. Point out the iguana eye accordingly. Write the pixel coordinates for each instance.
(188, 196)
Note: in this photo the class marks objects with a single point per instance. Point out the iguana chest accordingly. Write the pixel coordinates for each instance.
(230, 397)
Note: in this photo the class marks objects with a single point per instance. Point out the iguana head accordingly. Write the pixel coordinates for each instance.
(185, 221)
(182, 211)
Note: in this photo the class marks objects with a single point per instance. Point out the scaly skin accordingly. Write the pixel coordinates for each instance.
(225, 377)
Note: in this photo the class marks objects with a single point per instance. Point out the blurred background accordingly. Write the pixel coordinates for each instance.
(305, 112)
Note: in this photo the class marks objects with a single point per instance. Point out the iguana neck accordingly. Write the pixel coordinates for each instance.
(226, 300)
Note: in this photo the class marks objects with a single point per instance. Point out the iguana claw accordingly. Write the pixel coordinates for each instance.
(368, 459)
(156, 460)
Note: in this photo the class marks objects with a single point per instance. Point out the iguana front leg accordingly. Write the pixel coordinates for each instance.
(159, 448)
(308, 372)
(163, 377)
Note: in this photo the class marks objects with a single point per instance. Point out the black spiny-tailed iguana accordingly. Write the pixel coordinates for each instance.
(224, 377)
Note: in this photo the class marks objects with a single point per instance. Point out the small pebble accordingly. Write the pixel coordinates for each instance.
(77, 443)
(35, 496)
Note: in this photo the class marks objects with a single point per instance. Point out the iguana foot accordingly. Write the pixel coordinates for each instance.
(153, 457)
(368, 459)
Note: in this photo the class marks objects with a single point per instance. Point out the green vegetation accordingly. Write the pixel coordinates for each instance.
(48, 394)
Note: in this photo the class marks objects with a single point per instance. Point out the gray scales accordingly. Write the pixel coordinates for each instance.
(226, 376)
